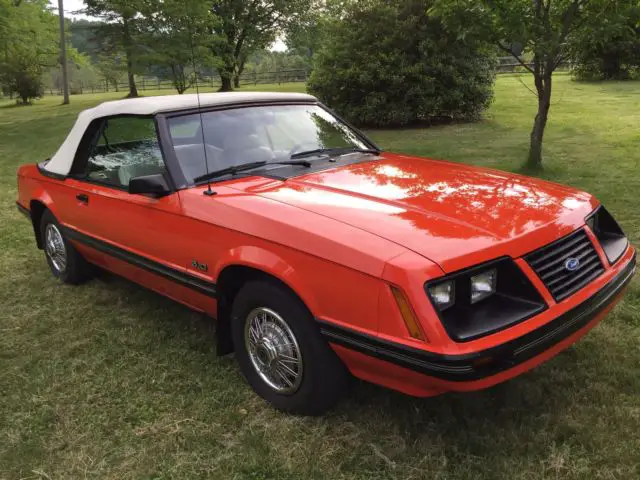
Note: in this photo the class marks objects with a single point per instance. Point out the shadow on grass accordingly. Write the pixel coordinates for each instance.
(175, 316)
(16, 105)
(522, 401)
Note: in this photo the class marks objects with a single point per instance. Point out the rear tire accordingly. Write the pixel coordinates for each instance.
(64, 260)
(281, 352)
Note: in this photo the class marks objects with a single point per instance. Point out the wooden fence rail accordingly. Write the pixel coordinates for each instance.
(253, 78)
(154, 83)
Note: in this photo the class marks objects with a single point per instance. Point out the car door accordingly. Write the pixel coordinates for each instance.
(138, 236)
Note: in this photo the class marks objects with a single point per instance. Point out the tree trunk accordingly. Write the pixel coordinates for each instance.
(63, 55)
(225, 80)
(612, 66)
(178, 79)
(543, 86)
(238, 73)
(133, 91)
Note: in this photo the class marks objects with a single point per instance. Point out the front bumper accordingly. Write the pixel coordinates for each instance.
(486, 363)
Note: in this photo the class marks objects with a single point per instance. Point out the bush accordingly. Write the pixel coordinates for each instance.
(617, 60)
(609, 50)
(387, 63)
(25, 79)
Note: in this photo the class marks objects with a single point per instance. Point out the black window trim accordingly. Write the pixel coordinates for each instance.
(173, 172)
(92, 135)
(166, 143)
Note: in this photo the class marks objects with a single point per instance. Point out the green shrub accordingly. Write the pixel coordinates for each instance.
(618, 60)
(387, 63)
(609, 50)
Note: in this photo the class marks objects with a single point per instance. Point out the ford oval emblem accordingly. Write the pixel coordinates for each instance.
(572, 264)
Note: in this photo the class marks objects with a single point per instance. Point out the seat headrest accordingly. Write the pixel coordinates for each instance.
(241, 142)
(127, 172)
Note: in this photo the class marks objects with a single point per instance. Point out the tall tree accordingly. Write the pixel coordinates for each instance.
(119, 30)
(306, 35)
(610, 48)
(241, 27)
(111, 69)
(539, 28)
(174, 38)
(28, 46)
(63, 55)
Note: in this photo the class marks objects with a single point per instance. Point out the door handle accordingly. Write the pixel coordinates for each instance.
(83, 198)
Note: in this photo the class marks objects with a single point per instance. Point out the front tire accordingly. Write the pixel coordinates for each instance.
(64, 260)
(281, 352)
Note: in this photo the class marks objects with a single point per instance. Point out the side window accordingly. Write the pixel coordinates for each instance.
(126, 147)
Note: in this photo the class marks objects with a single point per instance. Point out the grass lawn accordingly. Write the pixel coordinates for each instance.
(108, 380)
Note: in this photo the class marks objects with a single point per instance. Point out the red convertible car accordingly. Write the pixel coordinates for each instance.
(320, 256)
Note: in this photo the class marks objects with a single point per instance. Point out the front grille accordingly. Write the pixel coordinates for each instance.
(549, 263)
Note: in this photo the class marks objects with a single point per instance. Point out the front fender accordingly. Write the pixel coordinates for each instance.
(268, 262)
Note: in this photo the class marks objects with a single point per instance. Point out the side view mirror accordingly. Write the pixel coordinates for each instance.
(155, 185)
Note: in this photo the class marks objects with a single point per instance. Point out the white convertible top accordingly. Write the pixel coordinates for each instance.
(61, 162)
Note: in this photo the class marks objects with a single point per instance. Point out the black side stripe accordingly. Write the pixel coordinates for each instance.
(139, 261)
(502, 357)
(441, 366)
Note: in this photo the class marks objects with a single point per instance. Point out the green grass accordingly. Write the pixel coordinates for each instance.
(108, 380)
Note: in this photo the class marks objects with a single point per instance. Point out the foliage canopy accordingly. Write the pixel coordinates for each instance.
(240, 27)
(28, 46)
(610, 48)
(388, 63)
(542, 29)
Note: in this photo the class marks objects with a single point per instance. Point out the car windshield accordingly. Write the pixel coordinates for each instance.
(268, 134)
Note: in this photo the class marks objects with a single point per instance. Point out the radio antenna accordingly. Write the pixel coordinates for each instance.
(208, 191)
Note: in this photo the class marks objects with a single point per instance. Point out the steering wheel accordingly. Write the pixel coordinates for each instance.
(298, 146)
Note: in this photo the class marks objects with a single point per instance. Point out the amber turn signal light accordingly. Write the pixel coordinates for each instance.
(408, 316)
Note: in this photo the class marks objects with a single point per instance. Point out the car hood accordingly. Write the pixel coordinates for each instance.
(453, 214)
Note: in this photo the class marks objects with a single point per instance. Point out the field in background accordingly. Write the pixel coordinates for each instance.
(145, 84)
(109, 380)
(252, 80)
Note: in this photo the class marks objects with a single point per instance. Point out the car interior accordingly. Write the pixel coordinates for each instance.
(228, 141)
(128, 147)
(118, 164)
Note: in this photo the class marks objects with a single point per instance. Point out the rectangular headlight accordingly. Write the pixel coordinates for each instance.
(471, 303)
(443, 295)
(483, 285)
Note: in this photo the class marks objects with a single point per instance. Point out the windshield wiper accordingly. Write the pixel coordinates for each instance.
(304, 163)
(246, 166)
(229, 171)
(335, 151)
